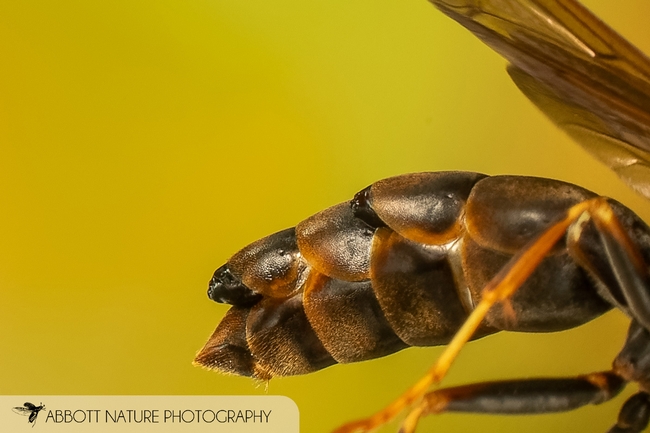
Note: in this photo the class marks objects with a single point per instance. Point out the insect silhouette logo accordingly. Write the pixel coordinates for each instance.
(30, 410)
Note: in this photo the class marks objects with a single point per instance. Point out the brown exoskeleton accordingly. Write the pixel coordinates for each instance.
(441, 258)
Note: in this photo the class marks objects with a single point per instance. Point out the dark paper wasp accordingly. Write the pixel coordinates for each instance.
(443, 258)
(29, 409)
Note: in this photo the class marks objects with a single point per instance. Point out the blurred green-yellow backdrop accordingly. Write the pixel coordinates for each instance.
(144, 142)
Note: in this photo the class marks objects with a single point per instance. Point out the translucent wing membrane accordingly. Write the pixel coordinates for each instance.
(21, 410)
(585, 77)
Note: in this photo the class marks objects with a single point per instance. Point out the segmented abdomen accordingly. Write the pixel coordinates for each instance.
(401, 265)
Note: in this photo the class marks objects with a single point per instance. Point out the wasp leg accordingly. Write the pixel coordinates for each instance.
(634, 415)
(620, 267)
(525, 396)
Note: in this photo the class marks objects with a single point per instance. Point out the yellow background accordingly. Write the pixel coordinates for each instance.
(144, 142)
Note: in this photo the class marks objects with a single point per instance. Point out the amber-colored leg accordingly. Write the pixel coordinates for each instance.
(499, 289)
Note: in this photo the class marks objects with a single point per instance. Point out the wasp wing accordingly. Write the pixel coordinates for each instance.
(21, 410)
(584, 76)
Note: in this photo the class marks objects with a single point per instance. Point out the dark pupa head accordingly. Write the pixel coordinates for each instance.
(226, 288)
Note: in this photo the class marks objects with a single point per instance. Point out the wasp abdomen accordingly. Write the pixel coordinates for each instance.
(402, 265)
